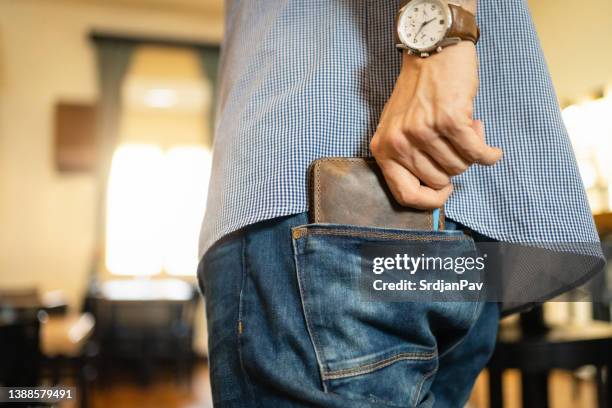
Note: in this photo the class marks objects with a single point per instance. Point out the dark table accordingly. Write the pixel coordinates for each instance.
(142, 323)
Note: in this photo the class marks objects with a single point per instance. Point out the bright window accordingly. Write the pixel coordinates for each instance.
(590, 128)
(133, 231)
(186, 182)
(155, 205)
(159, 173)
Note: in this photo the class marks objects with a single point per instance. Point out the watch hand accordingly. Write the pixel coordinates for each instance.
(419, 31)
(423, 26)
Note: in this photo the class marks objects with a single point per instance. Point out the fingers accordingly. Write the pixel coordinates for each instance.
(470, 143)
(447, 157)
(479, 128)
(395, 146)
(419, 161)
(408, 191)
(426, 170)
(436, 148)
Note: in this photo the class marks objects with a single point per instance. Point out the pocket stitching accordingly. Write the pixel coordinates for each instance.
(240, 325)
(313, 338)
(377, 365)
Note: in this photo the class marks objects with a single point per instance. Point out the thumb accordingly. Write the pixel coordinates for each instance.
(494, 154)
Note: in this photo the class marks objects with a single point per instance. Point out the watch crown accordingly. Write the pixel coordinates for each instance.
(439, 49)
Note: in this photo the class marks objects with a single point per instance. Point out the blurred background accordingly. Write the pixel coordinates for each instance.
(106, 111)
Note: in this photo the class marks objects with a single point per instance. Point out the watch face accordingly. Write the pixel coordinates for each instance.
(423, 24)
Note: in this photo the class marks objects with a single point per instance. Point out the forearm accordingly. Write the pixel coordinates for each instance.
(427, 133)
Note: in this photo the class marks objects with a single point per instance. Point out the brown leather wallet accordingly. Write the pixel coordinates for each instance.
(353, 191)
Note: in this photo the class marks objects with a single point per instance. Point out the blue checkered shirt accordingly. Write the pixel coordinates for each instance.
(303, 79)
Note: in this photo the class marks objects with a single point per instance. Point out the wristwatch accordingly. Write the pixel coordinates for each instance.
(427, 26)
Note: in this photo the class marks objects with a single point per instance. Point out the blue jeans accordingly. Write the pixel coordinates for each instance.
(288, 329)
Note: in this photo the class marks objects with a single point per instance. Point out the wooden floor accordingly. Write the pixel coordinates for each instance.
(166, 392)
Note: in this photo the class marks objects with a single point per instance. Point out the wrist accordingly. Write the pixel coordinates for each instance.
(465, 49)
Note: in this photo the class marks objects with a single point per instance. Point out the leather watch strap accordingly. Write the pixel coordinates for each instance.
(464, 25)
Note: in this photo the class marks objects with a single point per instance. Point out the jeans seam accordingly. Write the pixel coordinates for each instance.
(239, 327)
(473, 319)
(426, 376)
(378, 365)
(313, 338)
(200, 277)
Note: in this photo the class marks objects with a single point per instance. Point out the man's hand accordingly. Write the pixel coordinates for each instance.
(426, 132)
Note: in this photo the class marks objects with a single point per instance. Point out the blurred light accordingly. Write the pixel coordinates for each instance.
(53, 298)
(161, 98)
(589, 125)
(42, 316)
(185, 185)
(179, 95)
(146, 289)
(79, 330)
(588, 174)
(156, 203)
(133, 234)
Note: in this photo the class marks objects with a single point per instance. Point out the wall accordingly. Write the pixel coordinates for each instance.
(46, 218)
(576, 37)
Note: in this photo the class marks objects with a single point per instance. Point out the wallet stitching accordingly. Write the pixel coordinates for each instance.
(381, 234)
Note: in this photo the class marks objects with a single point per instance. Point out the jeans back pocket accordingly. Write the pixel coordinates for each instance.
(384, 352)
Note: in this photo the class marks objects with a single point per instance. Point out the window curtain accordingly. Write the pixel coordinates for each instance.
(113, 58)
(210, 68)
